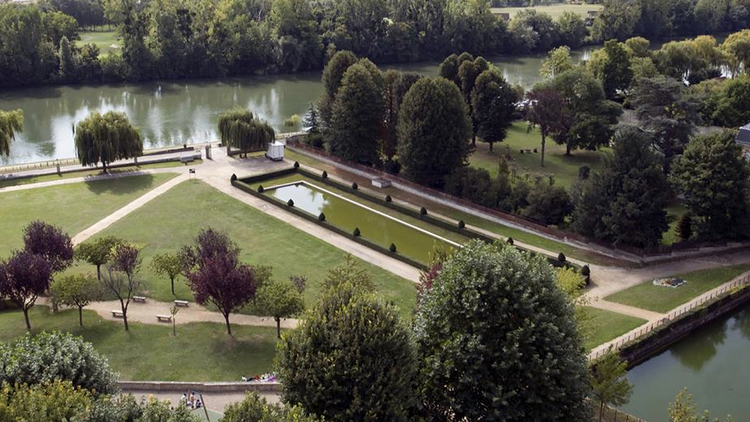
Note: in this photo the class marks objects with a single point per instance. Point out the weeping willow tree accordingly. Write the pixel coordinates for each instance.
(106, 138)
(238, 128)
(10, 123)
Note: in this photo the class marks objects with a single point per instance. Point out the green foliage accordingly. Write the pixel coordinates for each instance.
(333, 73)
(290, 203)
(357, 232)
(737, 47)
(683, 410)
(573, 29)
(239, 129)
(684, 227)
(280, 300)
(392, 248)
(55, 356)
(625, 202)
(616, 73)
(461, 224)
(261, 189)
(167, 264)
(76, 290)
(256, 409)
(497, 340)
(321, 217)
(548, 204)
(713, 175)
(324, 174)
(348, 272)
(10, 123)
(561, 257)
(106, 138)
(609, 382)
(354, 186)
(53, 401)
(557, 62)
(352, 358)
(423, 211)
(433, 117)
(733, 103)
(292, 121)
(493, 104)
(388, 198)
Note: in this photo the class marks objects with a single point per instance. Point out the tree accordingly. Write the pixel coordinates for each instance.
(238, 128)
(348, 272)
(49, 356)
(356, 116)
(547, 109)
(120, 276)
(683, 410)
(281, 300)
(167, 264)
(557, 62)
(312, 121)
(215, 274)
(433, 117)
(10, 123)
(106, 138)
(666, 111)
(67, 61)
(493, 102)
(54, 401)
(737, 46)
(573, 29)
(609, 382)
(616, 73)
(617, 20)
(713, 175)
(23, 277)
(497, 340)
(352, 358)
(75, 290)
(548, 204)
(50, 242)
(254, 408)
(332, 75)
(624, 203)
(733, 105)
(97, 252)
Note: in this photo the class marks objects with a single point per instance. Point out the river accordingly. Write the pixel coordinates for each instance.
(711, 363)
(185, 111)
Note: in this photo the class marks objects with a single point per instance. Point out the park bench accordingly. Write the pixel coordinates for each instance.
(139, 299)
(118, 314)
(183, 303)
(164, 318)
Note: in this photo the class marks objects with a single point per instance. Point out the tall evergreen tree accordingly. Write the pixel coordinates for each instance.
(713, 176)
(497, 340)
(625, 202)
(493, 102)
(106, 138)
(333, 73)
(356, 118)
(10, 123)
(312, 121)
(433, 131)
(67, 61)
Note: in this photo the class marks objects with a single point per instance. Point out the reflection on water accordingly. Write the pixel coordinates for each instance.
(348, 216)
(711, 363)
(184, 112)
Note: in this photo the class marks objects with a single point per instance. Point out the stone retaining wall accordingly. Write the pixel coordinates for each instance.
(203, 387)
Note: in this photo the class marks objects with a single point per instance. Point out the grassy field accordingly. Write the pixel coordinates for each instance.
(200, 352)
(664, 299)
(73, 207)
(563, 168)
(607, 325)
(175, 218)
(102, 39)
(674, 213)
(86, 173)
(555, 10)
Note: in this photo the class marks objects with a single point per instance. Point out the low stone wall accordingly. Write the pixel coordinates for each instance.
(203, 387)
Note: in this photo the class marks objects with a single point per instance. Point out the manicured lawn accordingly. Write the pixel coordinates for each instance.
(556, 163)
(85, 173)
(102, 39)
(664, 299)
(607, 325)
(555, 10)
(73, 207)
(200, 352)
(175, 218)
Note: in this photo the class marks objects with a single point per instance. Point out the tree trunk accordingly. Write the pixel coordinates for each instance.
(99, 272)
(567, 149)
(125, 320)
(491, 145)
(104, 167)
(228, 150)
(229, 327)
(174, 327)
(278, 327)
(601, 410)
(543, 143)
(474, 140)
(80, 316)
(26, 317)
(172, 280)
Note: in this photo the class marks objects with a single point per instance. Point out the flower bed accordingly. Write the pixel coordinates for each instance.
(669, 282)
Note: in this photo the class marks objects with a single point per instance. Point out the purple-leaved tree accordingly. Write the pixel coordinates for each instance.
(23, 278)
(50, 242)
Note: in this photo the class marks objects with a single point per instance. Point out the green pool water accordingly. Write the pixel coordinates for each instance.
(347, 214)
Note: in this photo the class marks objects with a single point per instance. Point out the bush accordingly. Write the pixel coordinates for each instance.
(290, 203)
(261, 189)
(356, 232)
(548, 204)
(684, 228)
(423, 211)
(355, 186)
(561, 257)
(586, 272)
(296, 164)
(53, 356)
(325, 174)
(392, 167)
(461, 224)
(511, 241)
(393, 248)
(388, 198)
(292, 121)
(322, 217)
(470, 183)
(233, 178)
(314, 140)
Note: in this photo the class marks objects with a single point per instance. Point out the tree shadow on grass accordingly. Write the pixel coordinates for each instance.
(121, 185)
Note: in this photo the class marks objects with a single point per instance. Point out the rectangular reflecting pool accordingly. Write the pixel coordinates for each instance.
(375, 226)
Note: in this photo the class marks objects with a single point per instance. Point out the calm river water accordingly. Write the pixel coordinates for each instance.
(184, 112)
(712, 363)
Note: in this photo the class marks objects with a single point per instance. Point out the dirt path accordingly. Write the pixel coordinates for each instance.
(626, 310)
(91, 178)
